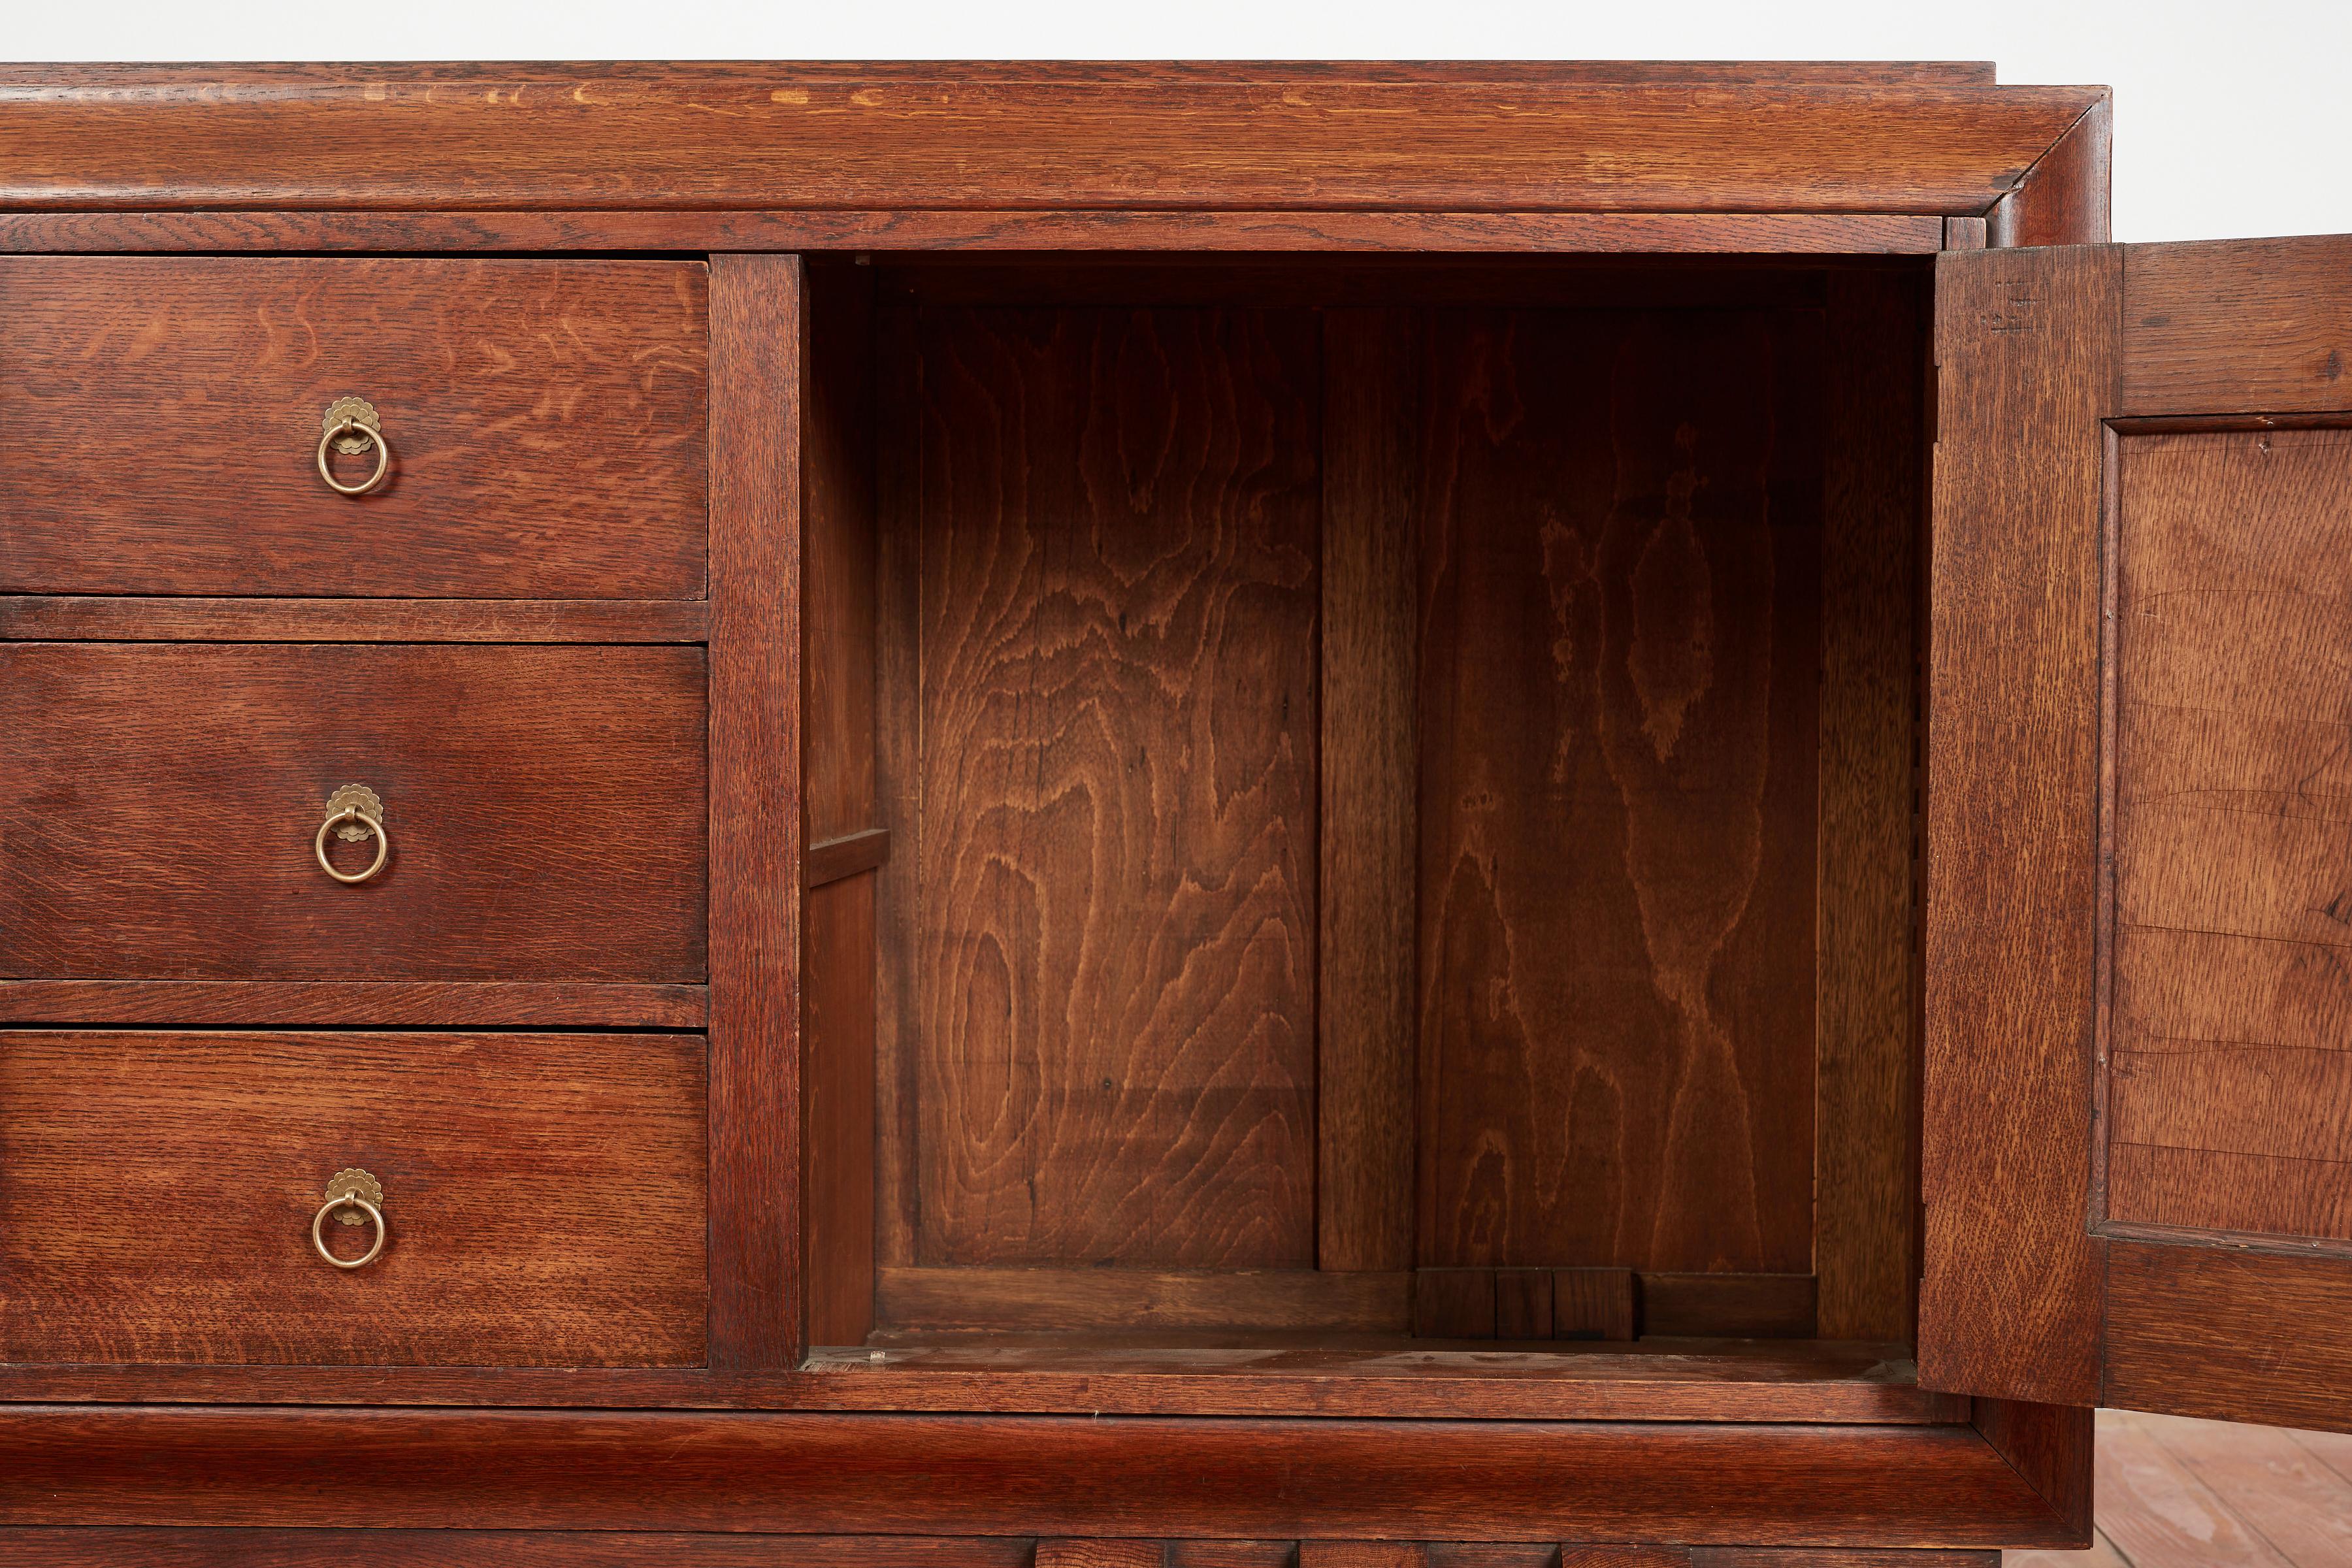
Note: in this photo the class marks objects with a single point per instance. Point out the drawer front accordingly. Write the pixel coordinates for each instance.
(160, 809)
(161, 418)
(541, 1198)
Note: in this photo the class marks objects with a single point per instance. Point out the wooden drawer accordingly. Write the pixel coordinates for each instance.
(160, 419)
(160, 805)
(543, 1198)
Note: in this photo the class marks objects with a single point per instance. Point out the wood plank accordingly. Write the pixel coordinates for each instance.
(1115, 914)
(1866, 1159)
(897, 229)
(1619, 754)
(66, 617)
(1231, 1553)
(1370, 760)
(1140, 1300)
(1386, 1377)
(1783, 1306)
(296, 1003)
(2159, 1513)
(543, 1198)
(717, 136)
(2009, 1303)
(851, 855)
(2050, 1446)
(2241, 326)
(1065, 1553)
(897, 706)
(757, 351)
(1454, 1303)
(547, 422)
(1593, 1304)
(2063, 198)
(2286, 1495)
(1362, 1554)
(69, 1547)
(838, 1110)
(2237, 1336)
(545, 808)
(1116, 1477)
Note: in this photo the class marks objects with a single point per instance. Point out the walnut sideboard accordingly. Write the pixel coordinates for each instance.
(1214, 816)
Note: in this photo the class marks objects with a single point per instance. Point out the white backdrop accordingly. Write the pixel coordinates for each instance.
(2233, 116)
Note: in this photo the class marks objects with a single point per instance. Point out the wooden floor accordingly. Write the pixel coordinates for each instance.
(2175, 1493)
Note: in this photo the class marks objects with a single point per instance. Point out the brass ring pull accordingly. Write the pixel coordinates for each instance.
(350, 425)
(358, 806)
(351, 1189)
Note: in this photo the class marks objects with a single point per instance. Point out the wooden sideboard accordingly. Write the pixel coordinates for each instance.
(1149, 816)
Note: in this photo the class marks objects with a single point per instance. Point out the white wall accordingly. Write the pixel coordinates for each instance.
(2233, 116)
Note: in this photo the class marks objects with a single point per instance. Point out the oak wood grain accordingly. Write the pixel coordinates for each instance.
(821, 230)
(1617, 845)
(2063, 198)
(134, 1547)
(545, 806)
(159, 419)
(2009, 1303)
(758, 350)
(1866, 1161)
(1370, 759)
(1141, 1300)
(76, 618)
(954, 1475)
(767, 137)
(838, 1110)
(315, 1004)
(2237, 1336)
(543, 1196)
(1113, 942)
(2229, 1069)
(2241, 326)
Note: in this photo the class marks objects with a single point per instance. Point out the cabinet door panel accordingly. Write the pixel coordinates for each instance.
(2139, 797)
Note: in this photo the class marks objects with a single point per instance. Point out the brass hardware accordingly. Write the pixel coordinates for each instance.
(353, 812)
(350, 426)
(348, 1190)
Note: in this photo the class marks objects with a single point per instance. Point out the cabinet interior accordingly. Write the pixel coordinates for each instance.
(1400, 786)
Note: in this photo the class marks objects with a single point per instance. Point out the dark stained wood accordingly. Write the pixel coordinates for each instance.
(838, 1110)
(1065, 1553)
(1614, 1557)
(2050, 1447)
(1522, 1303)
(897, 713)
(544, 1194)
(1964, 233)
(1770, 1306)
(720, 136)
(2009, 1303)
(2229, 1064)
(941, 1475)
(1620, 585)
(851, 855)
(2205, 1331)
(1113, 944)
(757, 351)
(63, 618)
(316, 1003)
(1226, 1374)
(1559, 233)
(1454, 1303)
(1139, 1300)
(1866, 1160)
(545, 806)
(58, 1547)
(2241, 326)
(1362, 1554)
(1231, 1553)
(839, 805)
(1369, 763)
(1593, 1304)
(2063, 198)
(160, 417)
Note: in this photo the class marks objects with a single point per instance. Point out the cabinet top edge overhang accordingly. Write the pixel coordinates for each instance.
(1448, 137)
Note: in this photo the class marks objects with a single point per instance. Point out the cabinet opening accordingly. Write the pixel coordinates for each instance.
(1400, 794)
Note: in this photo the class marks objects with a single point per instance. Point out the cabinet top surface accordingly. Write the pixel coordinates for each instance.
(1696, 137)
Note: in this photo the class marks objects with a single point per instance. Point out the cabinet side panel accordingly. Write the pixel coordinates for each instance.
(1621, 615)
(1114, 927)
(2010, 1302)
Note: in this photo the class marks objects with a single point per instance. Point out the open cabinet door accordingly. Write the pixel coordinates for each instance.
(2138, 923)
